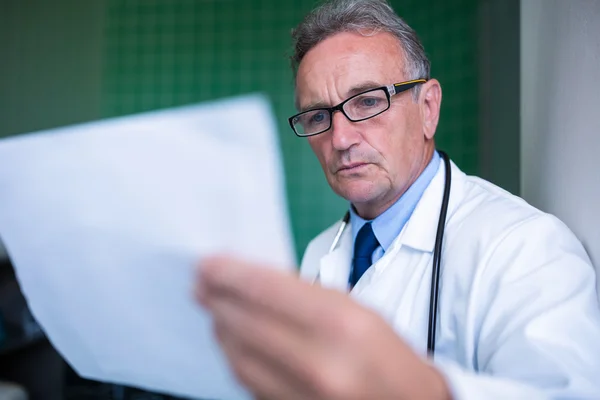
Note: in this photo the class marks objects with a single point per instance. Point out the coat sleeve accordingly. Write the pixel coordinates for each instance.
(538, 335)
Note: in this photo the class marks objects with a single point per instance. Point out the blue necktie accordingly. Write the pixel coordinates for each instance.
(365, 245)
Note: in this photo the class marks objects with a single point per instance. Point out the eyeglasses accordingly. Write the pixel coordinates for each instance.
(357, 108)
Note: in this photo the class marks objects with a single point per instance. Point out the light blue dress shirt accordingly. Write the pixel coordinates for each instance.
(388, 225)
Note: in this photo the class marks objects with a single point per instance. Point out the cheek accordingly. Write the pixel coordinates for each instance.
(395, 141)
(380, 141)
(319, 147)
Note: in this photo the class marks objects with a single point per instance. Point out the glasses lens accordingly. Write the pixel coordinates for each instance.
(311, 122)
(367, 105)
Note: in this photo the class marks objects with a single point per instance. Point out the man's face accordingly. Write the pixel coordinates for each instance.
(372, 162)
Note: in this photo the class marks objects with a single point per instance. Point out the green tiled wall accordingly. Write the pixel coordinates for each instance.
(164, 53)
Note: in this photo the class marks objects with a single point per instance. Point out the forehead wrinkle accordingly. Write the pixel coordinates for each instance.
(325, 90)
(318, 102)
(337, 87)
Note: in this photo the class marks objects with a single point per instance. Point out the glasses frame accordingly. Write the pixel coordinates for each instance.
(390, 90)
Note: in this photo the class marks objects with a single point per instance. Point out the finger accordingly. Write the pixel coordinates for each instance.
(280, 292)
(231, 274)
(257, 376)
(282, 353)
(214, 285)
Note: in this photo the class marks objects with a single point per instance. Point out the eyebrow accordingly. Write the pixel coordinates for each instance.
(361, 87)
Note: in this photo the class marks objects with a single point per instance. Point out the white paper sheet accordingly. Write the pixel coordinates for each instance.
(105, 223)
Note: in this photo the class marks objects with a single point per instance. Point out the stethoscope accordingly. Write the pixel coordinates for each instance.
(435, 272)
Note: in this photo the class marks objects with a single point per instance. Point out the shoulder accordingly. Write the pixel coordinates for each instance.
(495, 227)
(488, 210)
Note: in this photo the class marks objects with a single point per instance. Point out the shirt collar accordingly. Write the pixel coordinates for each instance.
(390, 223)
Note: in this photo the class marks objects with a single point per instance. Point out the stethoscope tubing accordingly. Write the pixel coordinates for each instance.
(437, 251)
(437, 259)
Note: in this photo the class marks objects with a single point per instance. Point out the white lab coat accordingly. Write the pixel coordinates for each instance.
(519, 316)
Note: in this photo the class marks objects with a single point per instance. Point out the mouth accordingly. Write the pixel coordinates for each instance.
(352, 168)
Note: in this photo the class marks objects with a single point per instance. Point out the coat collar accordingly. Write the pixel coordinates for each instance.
(335, 266)
(421, 228)
(419, 232)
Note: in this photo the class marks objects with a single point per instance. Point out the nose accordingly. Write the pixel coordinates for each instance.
(344, 133)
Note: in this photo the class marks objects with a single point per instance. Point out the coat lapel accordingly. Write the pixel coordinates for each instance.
(421, 228)
(335, 266)
(419, 232)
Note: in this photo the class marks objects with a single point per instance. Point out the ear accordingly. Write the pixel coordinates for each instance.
(430, 100)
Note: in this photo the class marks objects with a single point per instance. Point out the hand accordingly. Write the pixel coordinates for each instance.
(286, 339)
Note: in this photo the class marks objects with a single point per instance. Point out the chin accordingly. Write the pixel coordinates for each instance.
(359, 191)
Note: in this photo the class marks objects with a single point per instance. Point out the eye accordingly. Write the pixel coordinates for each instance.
(369, 101)
(318, 117)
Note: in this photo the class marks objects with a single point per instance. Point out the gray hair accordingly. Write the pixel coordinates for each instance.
(366, 17)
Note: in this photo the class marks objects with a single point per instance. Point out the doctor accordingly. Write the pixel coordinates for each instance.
(517, 315)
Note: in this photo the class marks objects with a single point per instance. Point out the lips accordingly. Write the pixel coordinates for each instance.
(351, 167)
